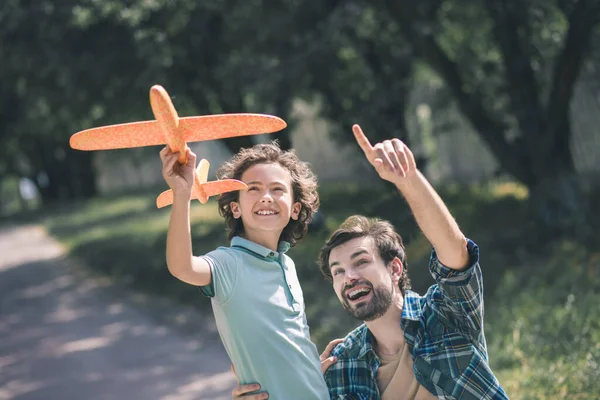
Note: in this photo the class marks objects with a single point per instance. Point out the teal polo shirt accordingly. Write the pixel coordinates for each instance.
(259, 310)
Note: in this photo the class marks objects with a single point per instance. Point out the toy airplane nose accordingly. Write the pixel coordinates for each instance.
(166, 115)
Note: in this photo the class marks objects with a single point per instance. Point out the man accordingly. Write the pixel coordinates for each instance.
(410, 346)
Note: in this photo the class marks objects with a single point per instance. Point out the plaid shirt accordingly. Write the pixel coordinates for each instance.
(443, 329)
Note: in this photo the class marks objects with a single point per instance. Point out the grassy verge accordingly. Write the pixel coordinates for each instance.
(542, 318)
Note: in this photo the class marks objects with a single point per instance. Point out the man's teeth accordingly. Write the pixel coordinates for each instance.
(266, 212)
(354, 294)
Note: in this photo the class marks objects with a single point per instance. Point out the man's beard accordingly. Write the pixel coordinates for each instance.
(375, 308)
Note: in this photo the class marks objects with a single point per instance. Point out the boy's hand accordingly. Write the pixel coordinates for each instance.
(392, 160)
(180, 178)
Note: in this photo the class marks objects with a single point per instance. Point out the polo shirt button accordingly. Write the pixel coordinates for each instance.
(290, 286)
(271, 254)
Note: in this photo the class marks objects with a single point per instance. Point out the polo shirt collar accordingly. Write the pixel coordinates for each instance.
(239, 241)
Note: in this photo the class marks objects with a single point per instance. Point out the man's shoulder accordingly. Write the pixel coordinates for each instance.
(352, 344)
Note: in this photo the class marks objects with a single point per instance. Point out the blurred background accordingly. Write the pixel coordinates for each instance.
(499, 101)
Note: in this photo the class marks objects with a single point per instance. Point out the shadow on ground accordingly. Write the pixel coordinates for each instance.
(65, 336)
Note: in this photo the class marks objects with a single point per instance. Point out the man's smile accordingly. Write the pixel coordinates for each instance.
(358, 293)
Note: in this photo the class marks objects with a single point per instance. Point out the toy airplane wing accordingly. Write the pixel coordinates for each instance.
(214, 188)
(205, 191)
(222, 126)
(193, 129)
(121, 136)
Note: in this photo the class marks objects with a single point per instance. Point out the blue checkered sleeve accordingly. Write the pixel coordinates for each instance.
(458, 297)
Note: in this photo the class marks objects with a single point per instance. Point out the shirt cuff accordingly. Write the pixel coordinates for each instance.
(443, 274)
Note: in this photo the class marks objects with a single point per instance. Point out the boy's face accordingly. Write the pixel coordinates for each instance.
(362, 282)
(268, 204)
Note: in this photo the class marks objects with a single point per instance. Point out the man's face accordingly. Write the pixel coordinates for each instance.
(361, 280)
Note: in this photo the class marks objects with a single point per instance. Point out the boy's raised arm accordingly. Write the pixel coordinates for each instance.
(180, 260)
(395, 163)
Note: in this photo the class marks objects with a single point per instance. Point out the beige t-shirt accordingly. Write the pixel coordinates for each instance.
(396, 378)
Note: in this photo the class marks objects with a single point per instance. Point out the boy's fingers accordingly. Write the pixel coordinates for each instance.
(169, 163)
(191, 159)
(163, 153)
(362, 140)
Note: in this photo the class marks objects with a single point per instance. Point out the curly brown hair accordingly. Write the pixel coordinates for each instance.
(387, 241)
(304, 187)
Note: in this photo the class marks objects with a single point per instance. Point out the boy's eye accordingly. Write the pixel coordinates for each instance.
(361, 262)
(252, 188)
(278, 188)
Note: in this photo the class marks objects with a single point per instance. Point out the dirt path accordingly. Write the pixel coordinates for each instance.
(66, 336)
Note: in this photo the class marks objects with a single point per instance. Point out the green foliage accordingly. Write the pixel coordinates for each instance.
(509, 67)
(544, 325)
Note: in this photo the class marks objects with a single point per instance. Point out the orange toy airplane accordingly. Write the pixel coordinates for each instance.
(170, 129)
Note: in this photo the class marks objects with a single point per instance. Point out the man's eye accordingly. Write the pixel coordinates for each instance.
(337, 272)
(361, 262)
(278, 188)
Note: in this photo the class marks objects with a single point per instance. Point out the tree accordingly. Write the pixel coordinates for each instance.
(499, 81)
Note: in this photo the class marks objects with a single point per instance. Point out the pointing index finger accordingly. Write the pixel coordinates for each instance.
(362, 140)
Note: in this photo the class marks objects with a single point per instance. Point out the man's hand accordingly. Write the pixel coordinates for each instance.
(327, 361)
(241, 391)
(392, 159)
(180, 178)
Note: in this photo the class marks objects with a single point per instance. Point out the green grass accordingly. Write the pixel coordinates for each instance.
(541, 294)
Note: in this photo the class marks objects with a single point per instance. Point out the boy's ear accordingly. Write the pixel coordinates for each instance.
(235, 209)
(296, 211)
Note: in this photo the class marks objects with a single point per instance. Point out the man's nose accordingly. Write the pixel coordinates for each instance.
(351, 276)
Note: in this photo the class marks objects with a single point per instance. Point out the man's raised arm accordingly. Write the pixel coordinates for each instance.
(395, 163)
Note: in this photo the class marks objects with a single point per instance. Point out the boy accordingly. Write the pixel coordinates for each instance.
(255, 293)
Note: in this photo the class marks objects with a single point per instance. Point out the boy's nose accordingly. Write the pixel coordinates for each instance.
(266, 199)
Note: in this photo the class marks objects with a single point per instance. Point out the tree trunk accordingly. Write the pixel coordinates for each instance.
(557, 195)
(82, 174)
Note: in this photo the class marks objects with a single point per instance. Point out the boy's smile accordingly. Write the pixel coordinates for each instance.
(268, 205)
